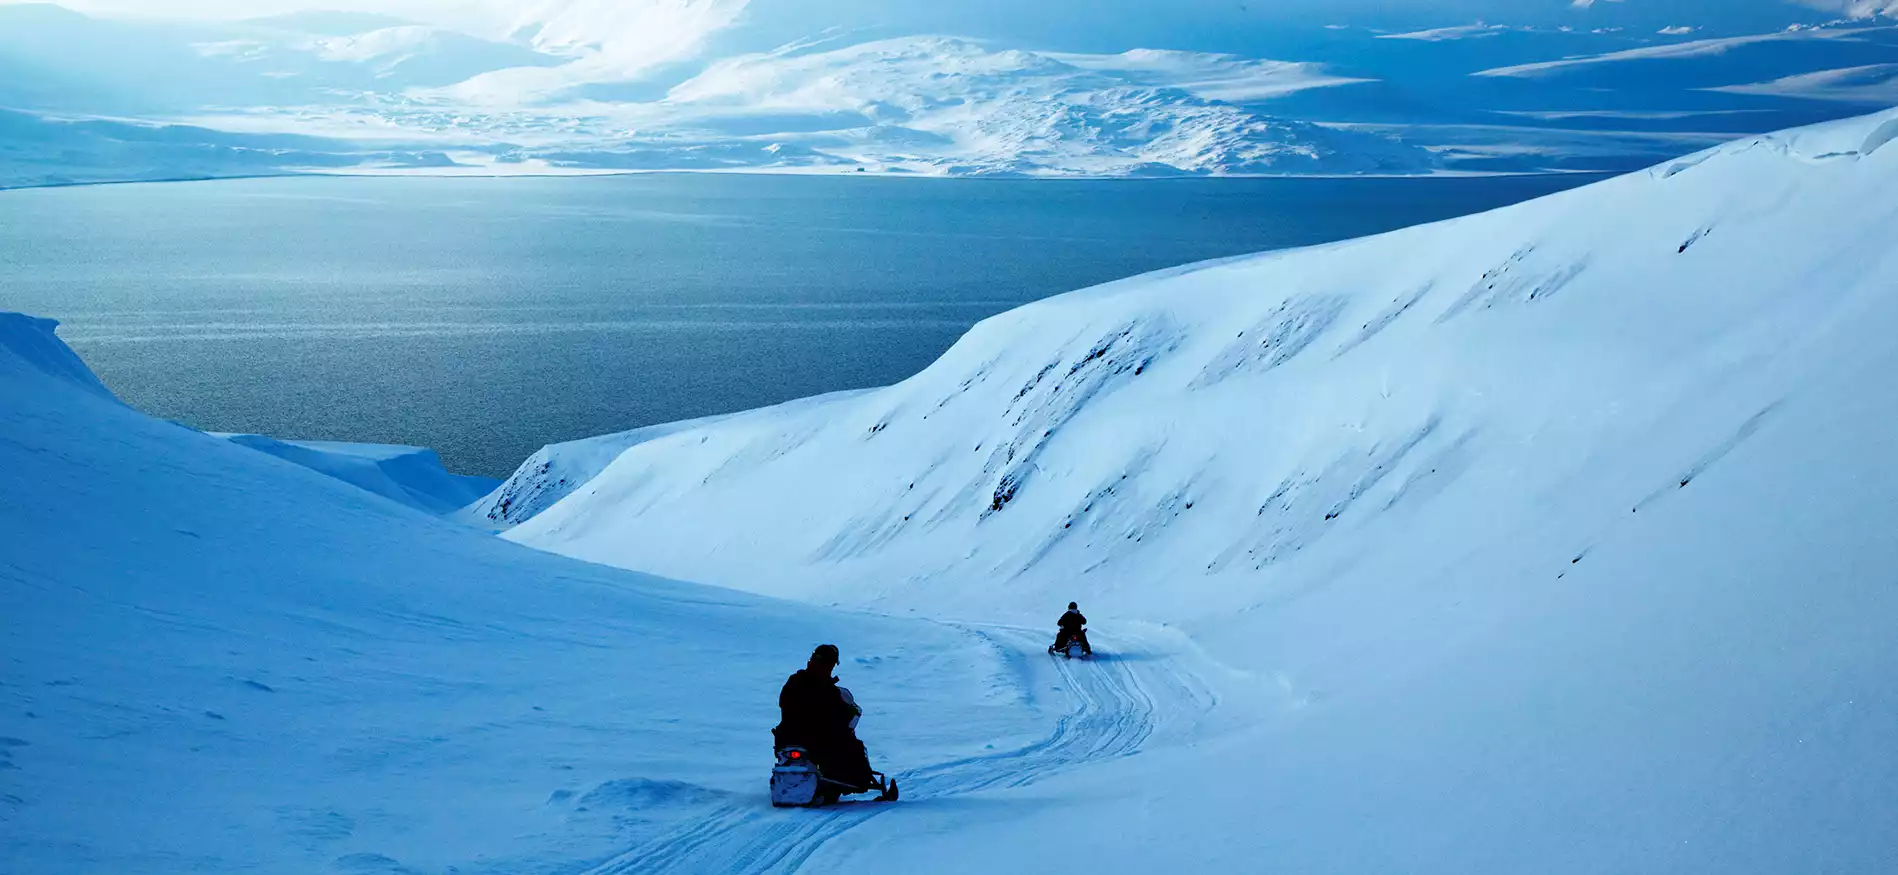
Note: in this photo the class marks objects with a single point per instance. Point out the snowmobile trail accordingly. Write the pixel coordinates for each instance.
(1115, 705)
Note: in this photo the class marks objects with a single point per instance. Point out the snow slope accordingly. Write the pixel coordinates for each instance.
(553, 472)
(1558, 537)
(215, 661)
(408, 475)
(29, 350)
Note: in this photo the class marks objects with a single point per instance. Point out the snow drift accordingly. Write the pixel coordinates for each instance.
(407, 475)
(1561, 535)
(29, 349)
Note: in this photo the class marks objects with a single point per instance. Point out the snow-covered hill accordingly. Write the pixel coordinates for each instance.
(1561, 536)
(37, 150)
(406, 475)
(213, 660)
(554, 472)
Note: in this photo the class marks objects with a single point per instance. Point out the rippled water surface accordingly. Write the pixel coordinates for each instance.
(487, 317)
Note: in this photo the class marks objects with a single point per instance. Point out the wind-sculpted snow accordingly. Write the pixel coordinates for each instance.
(28, 345)
(407, 475)
(1557, 538)
(1276, 339)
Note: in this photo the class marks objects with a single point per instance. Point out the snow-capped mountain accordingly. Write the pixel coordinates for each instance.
(837, 85)
(37, 150)
(918, 103)
(949, 105)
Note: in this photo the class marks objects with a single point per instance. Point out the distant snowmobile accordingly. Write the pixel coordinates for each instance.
(1071, 641)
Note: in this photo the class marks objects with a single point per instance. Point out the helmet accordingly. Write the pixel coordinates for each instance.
(825, 654)
(1073, 607)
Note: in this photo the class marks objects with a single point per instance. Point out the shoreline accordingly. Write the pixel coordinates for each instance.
(577, 173)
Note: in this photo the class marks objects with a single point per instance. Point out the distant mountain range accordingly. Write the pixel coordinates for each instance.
(821, 87)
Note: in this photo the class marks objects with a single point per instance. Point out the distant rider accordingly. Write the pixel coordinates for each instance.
(1073, 627)
(821, 717)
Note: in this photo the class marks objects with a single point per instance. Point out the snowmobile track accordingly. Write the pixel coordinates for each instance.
(1113, 715)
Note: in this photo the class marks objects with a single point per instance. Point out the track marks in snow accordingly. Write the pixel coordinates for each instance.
(1116, 705)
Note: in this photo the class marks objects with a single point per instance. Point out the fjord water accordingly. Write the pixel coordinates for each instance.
(487, 317)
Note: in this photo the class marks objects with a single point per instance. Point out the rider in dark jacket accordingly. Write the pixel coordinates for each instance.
(817, 715)
(1073, 627)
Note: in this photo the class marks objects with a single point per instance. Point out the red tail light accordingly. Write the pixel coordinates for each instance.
(797, 754)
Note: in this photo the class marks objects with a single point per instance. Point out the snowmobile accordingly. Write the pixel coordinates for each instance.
(1071, 649)
(798, 782)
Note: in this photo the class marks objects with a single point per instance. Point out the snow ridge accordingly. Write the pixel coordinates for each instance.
(29, 345)
(412, 476)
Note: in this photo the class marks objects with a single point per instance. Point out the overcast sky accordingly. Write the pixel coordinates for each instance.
(637, 35)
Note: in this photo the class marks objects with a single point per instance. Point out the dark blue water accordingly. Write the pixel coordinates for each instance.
(487, 317)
